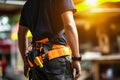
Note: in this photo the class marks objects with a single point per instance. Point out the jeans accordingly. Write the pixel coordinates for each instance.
(56, 69)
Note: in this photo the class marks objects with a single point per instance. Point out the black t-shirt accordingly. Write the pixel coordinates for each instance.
(43, 18)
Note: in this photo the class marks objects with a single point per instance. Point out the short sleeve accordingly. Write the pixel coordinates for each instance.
(66, 5)
(23, 18)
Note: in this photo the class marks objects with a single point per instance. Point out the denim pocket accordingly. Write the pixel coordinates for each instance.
(55, 66)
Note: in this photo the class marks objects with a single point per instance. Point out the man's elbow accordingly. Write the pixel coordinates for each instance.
(70, 26)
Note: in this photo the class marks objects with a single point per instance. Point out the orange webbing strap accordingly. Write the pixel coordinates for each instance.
(59, 52)
(30, 63)
(55, 46)
(43, 40)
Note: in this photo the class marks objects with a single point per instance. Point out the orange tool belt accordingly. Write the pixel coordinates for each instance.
(57, 51)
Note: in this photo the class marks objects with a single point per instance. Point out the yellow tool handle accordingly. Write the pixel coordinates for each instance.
(39, 62)
(27, 76)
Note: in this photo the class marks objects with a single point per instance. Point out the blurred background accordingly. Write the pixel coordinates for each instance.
(98, 25)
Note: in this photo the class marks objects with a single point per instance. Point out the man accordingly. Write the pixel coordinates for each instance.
(46, 19)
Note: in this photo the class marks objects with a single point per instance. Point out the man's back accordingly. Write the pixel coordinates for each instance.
(43, 17)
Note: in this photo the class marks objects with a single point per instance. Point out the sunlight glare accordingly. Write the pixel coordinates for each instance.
(91, 2)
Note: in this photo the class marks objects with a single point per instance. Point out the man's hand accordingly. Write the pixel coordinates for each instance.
(76, 65)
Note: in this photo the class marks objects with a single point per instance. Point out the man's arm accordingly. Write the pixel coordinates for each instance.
(22, 41)
(23, 44)
(71, 32)
(72, 38)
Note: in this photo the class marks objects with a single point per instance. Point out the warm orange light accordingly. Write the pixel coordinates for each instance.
(91, 2)
(82, 5)
(87, 27)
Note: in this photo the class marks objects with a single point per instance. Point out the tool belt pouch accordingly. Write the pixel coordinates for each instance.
(33, 59)
(43, 52)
